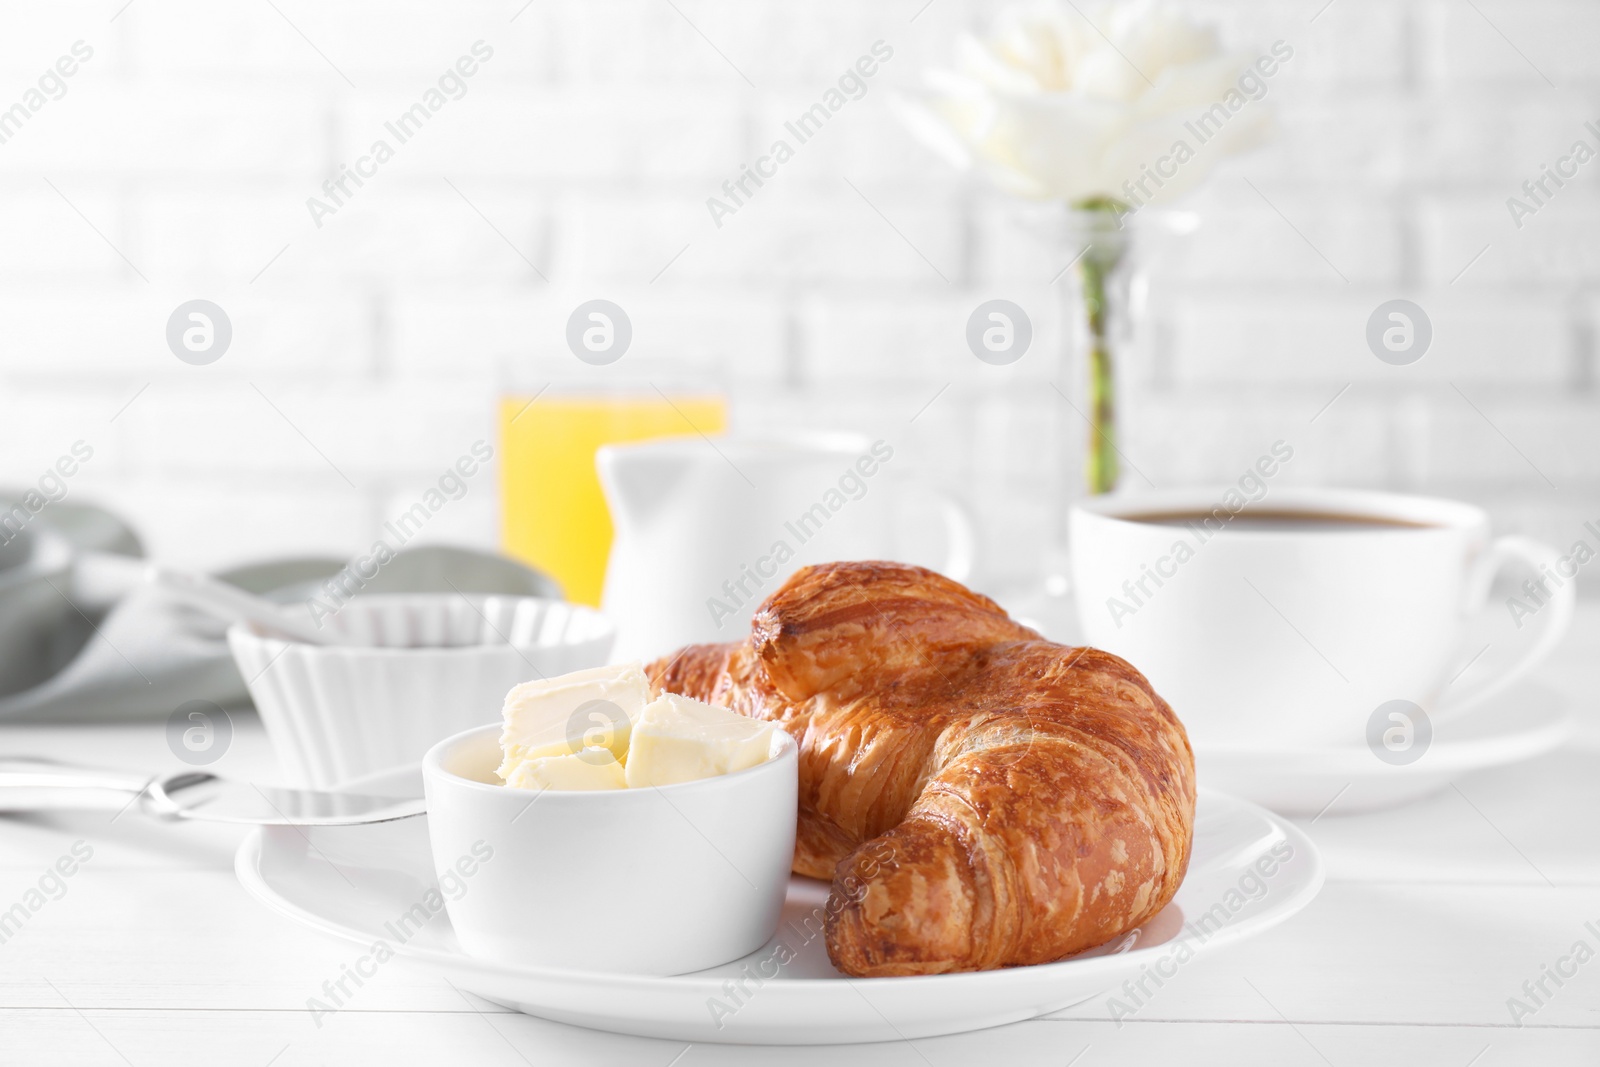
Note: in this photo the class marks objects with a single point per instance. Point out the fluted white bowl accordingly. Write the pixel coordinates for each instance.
(427, 666)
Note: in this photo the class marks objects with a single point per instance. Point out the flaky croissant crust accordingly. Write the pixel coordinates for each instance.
(979, 797)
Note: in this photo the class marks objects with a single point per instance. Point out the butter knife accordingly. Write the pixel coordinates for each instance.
(32, 785)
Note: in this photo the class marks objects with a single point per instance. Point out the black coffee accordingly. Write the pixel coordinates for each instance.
(1268, 521)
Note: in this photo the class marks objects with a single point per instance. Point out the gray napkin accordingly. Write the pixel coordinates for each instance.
(140, 656)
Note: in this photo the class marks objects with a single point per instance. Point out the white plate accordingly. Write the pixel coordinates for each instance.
(356, 882)
(1526, 721)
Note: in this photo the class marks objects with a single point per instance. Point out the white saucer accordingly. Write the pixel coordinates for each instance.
(356, 882)
(1526, 721)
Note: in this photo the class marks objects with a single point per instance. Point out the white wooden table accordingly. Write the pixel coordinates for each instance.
(1433, 917)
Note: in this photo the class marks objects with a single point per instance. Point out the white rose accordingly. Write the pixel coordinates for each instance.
(1051, 109)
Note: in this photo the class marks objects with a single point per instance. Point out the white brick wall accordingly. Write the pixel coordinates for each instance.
(590, 142)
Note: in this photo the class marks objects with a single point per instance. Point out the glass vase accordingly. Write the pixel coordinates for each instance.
(1102, 368)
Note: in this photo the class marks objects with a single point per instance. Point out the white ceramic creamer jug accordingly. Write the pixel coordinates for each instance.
(706, 528)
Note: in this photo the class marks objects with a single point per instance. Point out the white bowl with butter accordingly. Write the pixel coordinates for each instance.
(629, 834)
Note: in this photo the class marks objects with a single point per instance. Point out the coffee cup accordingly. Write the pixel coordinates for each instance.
(1293, 619)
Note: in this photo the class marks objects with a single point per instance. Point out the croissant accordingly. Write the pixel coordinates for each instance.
(979, 797)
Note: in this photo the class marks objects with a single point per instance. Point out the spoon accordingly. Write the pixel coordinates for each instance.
(234, 604)
(103, 578)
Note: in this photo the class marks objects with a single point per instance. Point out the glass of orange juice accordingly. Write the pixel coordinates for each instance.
(552, 513)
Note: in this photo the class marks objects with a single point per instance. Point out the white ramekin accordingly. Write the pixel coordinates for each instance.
(653, 881)
(437, 664)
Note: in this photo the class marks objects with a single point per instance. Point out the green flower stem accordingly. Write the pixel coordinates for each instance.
(1095, 268)
(1101, 462)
